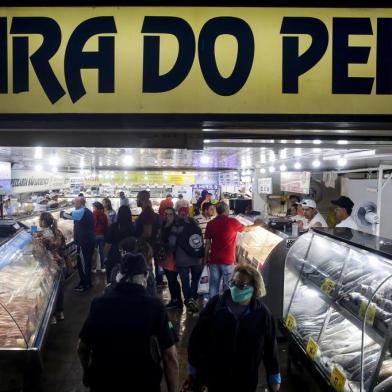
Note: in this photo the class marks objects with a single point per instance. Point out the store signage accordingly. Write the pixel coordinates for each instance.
(312, 349)
(29, 181)
(338, 379)
(195, 60)
(295, 182)
(265, 185)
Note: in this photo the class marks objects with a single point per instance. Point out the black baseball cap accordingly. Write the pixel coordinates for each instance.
(133, 264)
(343, 202)
(98, 205)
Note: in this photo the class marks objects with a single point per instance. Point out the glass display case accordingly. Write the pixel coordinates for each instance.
(338, 307)
(266, 251)
(29, 279)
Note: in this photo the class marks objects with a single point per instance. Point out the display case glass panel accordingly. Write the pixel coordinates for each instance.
(27, 278)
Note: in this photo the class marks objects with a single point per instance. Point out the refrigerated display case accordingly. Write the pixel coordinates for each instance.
(265, 250)
(338, 307)
(29, 279)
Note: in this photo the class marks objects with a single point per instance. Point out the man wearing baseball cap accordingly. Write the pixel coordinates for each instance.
(344, 207)
(314, 218)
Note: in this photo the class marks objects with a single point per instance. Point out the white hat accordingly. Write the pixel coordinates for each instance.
(309, 203)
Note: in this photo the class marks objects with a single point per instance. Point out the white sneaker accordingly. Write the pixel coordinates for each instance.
(103, 270)
(53, 320)
(94, 271)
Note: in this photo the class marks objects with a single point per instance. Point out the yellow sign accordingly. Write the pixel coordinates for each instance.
(312, 349)
(150, 178)
(338, 379)
(195, 60)
(370, 314)
(290, 322)
(328, 286)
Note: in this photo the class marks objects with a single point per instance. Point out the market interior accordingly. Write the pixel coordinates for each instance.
(256, 177)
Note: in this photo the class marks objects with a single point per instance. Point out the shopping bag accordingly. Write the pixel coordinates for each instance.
(204, 282)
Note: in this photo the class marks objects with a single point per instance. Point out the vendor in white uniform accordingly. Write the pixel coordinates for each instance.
(313, 217)
(344, 207)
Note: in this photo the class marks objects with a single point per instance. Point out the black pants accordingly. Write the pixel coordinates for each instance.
(158, 273)
(174, 286)
(84, 259)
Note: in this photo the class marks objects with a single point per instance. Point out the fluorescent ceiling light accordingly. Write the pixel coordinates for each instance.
(283, 167)
(205, 159)
(38, 153)
(342, 142)
(317, 141)
(54, 160)
(127, 160)
(38, 168)
(298, 152)
(297, 165)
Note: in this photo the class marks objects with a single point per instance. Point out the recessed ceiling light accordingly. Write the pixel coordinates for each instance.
(342, 142)
(127, 160)
(342, 161)
(316, 163)
(283, 167)
(297, 165)
(298, 142)
(271, 169)
(317, 141)
(205, 159)
(262, 170)
(38, 168)
(283, 141)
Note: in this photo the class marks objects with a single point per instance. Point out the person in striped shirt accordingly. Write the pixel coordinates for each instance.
(207, 214)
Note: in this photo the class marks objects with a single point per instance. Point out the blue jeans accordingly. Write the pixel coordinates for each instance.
(217, 272)
(189, 289)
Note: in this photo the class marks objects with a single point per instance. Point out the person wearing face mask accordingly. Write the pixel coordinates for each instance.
(118, 336)
(234, 332)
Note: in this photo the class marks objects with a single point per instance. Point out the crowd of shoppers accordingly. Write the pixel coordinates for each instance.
(128, 341)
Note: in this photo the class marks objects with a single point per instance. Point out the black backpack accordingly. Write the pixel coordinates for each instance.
(190, 238)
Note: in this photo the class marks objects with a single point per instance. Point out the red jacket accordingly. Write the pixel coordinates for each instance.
(100, 222)
(165, 203)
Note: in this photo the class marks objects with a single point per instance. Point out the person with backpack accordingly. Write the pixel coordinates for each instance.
(121, 229)
(187, 239)
(53, 240)
(100, 226)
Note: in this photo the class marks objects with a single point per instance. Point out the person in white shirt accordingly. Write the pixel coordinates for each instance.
(313, 217)
(344, 207)
(207, 214)
(181, 202)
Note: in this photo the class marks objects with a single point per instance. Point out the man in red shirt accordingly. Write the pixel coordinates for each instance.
(221, 235)
(165, 203)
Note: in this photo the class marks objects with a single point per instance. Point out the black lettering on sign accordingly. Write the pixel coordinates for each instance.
(51, 33)
(343, 55)
(384, 56)
(76, 59)
(294, 64)
(3, 57)
(239, 29)
(152, 81)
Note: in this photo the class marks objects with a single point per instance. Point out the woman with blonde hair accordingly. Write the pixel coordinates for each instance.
(234, 332)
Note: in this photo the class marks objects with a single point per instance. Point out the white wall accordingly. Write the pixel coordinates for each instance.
(360, 190)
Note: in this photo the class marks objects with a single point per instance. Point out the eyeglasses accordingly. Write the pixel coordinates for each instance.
(240, 286)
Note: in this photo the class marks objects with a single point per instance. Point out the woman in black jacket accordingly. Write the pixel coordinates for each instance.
(233, 334)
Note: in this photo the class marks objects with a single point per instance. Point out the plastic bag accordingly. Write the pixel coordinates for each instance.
(204, 282)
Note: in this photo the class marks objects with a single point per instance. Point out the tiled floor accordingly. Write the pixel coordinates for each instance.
(63, 372)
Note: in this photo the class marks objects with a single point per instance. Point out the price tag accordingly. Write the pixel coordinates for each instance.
(370, 315)
(290, 322)
(312, 349)
(338, 379)
(328, 286)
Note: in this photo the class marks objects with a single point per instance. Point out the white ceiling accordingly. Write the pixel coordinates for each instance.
(220, 154)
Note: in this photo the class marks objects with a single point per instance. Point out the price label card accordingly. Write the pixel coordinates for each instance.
(328, 286)
(290, 322)
(312, 349)
(338, 379)
(370, 315)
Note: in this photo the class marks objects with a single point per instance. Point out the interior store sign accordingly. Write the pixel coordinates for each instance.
(195, 60)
